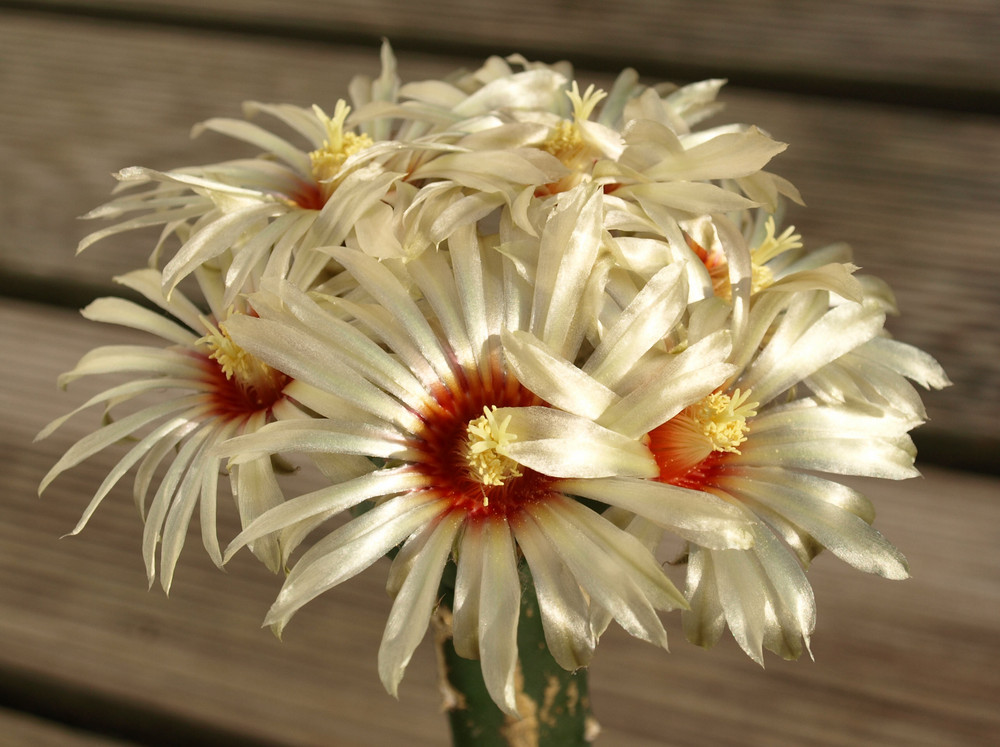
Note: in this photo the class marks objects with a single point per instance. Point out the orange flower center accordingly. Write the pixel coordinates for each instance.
(692, 444)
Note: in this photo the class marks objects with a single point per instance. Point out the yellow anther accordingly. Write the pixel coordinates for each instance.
(566, 141)
(253, 376)
(485, 450)
(338, 146)
(771, 246)
(722, 419)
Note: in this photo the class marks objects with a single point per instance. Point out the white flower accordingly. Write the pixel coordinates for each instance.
(271, 209)
(759, 442)
(477, 465)
(191, 393)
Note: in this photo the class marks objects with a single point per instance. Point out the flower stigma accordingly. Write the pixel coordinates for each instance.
(566, 140)
(486, 449)
(337, 148)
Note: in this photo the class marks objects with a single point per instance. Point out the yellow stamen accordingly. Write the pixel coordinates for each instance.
(338, 146)
(722, 419)
(249, 373)
(762, 276)
(566, 141)
(771, 246)
(485, 450)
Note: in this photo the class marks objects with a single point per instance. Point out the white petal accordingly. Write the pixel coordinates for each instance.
(559, 444)
(435, 279)
(725, 156)
(255, 491)
(263, 139)
(789, 358)
(647, 320)
(411, 611)
(553, 378)
(694, 515)
(837, 278)
(302, 356)
(705, 621)
(317, 435)
(740, 271)
(468, 591)
(113, 432)
(480, 291)
(561, 603)
(256, 250)
(355, 195)
(839, 456)
(171, 431)
(149, 283)
(686, 199)
(801, 499)
(128, 314)
(636, 560)
(118, 394)
(349, 550)
(675, 382)
(300, 119)
(212, 240)
(539, 89)
(189, 492)
(358, 350)
(178, 476)
(327, 502)
(599, 575)
(909, 361)
(142, 221)
(569, 246)
(386, 288)
(132, 358)
(499, 611)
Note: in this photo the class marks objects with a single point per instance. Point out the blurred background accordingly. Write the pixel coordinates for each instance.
(892, 112)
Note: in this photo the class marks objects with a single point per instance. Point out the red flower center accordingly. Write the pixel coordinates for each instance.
(241, 385)
(454, 422)
(237, 397)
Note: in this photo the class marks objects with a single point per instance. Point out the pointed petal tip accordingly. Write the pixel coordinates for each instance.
(277, 626)
(509, 706)
(229, 552)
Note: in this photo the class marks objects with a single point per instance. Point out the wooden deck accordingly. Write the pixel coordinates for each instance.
(892, 109)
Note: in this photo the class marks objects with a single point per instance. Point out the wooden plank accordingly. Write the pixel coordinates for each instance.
(896, 662)
(888, 48)
(915, 192)
(21, 729)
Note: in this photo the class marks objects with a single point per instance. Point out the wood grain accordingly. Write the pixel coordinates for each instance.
(890, 48)
(19, 728)
(896, 662)
(914, 191)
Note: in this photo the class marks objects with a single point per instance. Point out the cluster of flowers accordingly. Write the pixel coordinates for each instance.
(517, 323)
